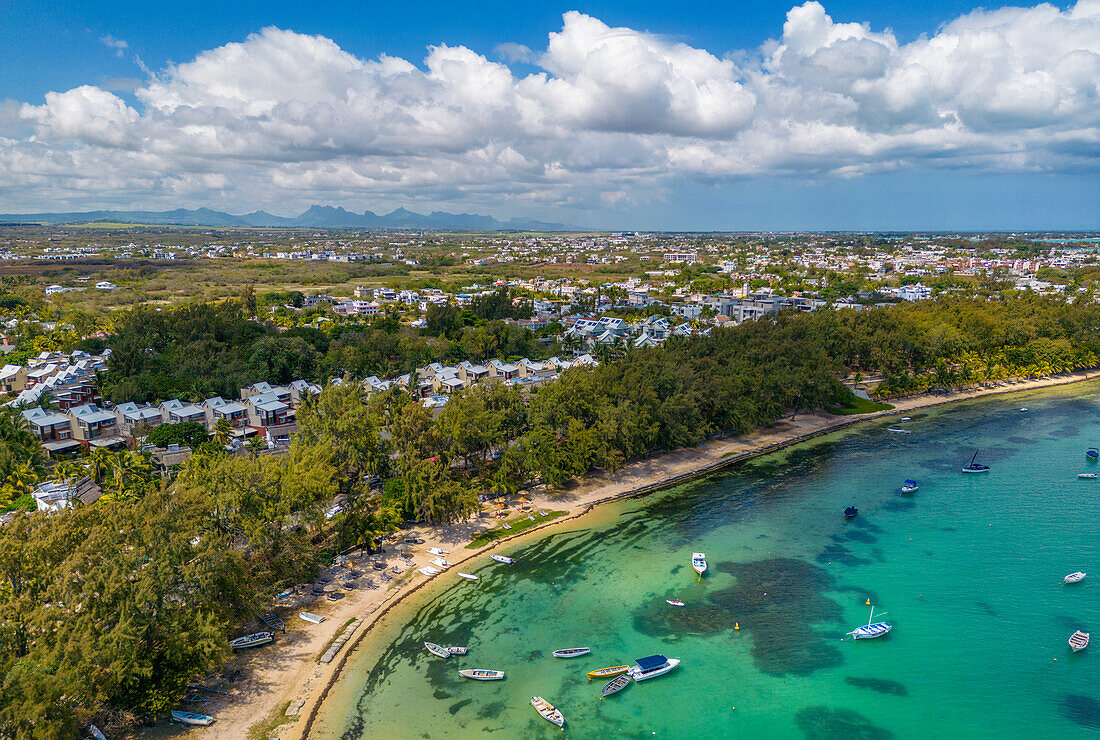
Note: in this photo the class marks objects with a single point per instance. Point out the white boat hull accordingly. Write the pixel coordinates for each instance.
(638, 675)
(572, 652)
(482, 674)
(311, 618)
(699, 562)
(192, 718)
(467, 576)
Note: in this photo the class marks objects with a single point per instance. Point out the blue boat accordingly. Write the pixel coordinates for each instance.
(910, 486)
(850, 512)
(870, 631)
(1092, 453)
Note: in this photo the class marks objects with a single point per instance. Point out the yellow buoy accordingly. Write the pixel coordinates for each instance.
(737, 625)
(868, 602)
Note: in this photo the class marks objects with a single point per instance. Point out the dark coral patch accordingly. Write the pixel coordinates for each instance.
(881, 685)
(823, 723)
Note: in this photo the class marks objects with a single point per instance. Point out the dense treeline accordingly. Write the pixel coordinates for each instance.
(111, 609)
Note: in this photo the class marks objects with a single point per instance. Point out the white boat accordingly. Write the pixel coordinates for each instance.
(436, 650)
(96, 733)
(651, 667)
(675, 602)
(699, 562)
(502, 559)
(311, 617)
(871, 631)
(1079, 641)
(467, 576)
(547, 710)
(975, 467)
(1075, 577)
(253, 640)
(910, 486)
(1087, 476)
(571, 652)
(458, 650)
(481, 674)
(1023, 410)
(436, 551)
(895, 430)
(429, 571)
(192, 718)
(441, 563)
(907, 418)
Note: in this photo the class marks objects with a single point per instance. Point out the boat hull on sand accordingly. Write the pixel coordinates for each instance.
(253, 640)
(192, 718)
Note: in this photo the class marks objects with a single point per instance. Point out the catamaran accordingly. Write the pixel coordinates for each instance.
(571, 652)
(481, 674)
(440, 562)
(192, 718)
(1079, 641)
(699, 562)
(871, 631)
(910, 486)
(547, 710)
(503, 559)
(436, 551)
(429, 570)
(651, 667)
(436, 650)
(1075, 577)
(975, 467)
(253, 640)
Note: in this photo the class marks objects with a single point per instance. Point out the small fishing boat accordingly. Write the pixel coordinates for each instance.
(1079, 641)
(436, 650)
(571, 652)
(910, 486)
(907, 418)
(503, 559)
(651, 667)
(1075, 577)
(436, 551)
(675, 602)
(699, 562)
(96, 733)
(467, 576)
(547, 710)
(615, 685)
(870, 631)
(253, 640)
(505, 525)
(311, 617)
(272, 620)
(895, 430)
(1093, 453)
(481, 674)
(850, 512)
(429, 570)
(1087, 476)
(975, 467)
(1023, 410)
(458, 650)
(441, 563)
(615, 670)
(192, 718)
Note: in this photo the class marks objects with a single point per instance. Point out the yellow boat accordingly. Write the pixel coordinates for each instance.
(617, 670)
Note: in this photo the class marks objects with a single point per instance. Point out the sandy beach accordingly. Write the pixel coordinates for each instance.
(288, 680)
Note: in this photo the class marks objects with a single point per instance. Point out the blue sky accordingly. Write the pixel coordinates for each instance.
(845, 115)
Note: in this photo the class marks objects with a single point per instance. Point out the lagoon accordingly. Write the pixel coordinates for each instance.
(968, 570)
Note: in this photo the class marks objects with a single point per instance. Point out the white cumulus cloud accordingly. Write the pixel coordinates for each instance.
(610, 115)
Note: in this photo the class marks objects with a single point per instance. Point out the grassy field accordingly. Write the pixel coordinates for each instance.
(860, 406)
(518, 524)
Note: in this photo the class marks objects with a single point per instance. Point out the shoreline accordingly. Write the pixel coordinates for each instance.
(307, 687)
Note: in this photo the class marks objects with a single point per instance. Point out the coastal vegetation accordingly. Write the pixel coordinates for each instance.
(113, 608)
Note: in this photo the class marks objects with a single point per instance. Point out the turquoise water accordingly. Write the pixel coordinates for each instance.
(968, 570)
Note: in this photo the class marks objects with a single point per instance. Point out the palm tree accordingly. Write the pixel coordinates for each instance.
(222, 428)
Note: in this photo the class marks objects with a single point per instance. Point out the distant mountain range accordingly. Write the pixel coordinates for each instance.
(327, 217)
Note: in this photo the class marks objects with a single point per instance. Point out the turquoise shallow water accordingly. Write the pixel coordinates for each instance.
(968, 570)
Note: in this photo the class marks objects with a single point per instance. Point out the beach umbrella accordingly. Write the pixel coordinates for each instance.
(498, 506)
(524, 500)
